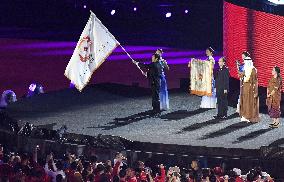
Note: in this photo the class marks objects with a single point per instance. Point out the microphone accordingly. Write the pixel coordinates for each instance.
(238, 62)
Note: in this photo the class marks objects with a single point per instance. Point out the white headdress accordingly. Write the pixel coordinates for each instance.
(248, 67)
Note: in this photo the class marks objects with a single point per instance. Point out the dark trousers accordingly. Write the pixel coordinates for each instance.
(155, 87)
(222, 101)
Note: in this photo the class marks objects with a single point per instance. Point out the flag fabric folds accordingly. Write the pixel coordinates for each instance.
(201, 77)
(96, 43)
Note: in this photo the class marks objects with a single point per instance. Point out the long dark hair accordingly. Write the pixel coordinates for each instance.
(277, 70)
(211, 50)
(224, 59)
(157, 56)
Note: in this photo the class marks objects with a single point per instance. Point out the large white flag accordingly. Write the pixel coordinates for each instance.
(95, 45)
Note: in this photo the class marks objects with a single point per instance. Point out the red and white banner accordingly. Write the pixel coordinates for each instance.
(201, 77)
(96, 43)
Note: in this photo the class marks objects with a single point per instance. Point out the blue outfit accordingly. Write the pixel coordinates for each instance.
(213, 88)
(241, 69)
(164, 97)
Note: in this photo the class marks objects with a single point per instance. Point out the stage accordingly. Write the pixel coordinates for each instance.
(118, 101)
(119, 110)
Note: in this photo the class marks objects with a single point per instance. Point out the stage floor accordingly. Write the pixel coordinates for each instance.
(124, 111)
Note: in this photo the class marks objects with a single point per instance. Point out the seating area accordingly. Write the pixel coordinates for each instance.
(34, 167)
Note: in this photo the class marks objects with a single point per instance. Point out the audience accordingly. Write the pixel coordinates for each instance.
(8, 97)
(28, 168)
(34, 89)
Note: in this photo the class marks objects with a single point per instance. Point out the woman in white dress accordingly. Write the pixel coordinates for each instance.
(210, 101)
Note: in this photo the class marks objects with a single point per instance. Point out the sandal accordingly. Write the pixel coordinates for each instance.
(275, 125)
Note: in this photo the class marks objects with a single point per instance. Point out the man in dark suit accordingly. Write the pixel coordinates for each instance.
(154, 71)
(222, 88)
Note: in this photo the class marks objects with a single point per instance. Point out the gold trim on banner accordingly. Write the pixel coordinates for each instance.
(198, 92)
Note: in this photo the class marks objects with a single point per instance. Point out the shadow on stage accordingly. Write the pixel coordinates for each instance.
(229, 129)
(277, 143)
(119, 122)
(176, 115)
(182, 114)
(252, 135)
(197, 126)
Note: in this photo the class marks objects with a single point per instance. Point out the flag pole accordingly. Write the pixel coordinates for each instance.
(133, 60)
(121, 46)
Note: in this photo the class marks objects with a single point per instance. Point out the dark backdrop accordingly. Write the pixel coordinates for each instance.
(65, 19)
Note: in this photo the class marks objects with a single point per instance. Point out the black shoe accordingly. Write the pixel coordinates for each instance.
(156, 111)
(157, 115)
(217, 117)
(224, 117)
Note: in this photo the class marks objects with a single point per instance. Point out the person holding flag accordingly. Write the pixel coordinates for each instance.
(154, 72)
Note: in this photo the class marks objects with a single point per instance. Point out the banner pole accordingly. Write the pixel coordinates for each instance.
(133, 60)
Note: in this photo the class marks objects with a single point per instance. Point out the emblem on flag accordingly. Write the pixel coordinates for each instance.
(84, 49)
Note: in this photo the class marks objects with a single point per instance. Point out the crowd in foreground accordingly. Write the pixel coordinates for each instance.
(71, 168)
